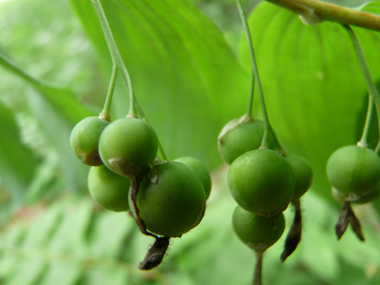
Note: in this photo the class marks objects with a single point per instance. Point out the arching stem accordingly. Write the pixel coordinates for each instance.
(267, 127)
(371, 87)
(250, 47)
(118, 61)
(105, 114)
(115, 54)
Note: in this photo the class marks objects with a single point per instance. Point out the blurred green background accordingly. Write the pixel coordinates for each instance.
(190, 69)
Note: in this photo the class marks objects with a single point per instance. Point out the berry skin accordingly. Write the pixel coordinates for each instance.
(200, 169)
(353, 169)
(128, 144)
(374, 194)
(171, 199)
(108, 189)
(84, 139)
(257, 232)
(262, 182)
(303, 174)
(239, 136)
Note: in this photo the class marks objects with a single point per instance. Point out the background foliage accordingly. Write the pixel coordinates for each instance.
(189, 66)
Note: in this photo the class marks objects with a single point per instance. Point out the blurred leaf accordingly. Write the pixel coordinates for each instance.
(17, 162)
(183, 72)
(65, 243)
(56, 108)
(372, 7)
(312, 83)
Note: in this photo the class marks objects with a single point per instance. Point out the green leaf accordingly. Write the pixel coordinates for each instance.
(57, 110)
(372, 7)
(312, 83)
(183, 72)
(17, 162)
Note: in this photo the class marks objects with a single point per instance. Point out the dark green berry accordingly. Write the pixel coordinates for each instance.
(303, 174)
(200, 169)
(262, 182)
(171, 199)
(128, 145)
(239, 136)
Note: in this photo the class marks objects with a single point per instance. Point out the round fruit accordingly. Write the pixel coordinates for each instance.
(353, 169)
(174, 203)
(257, 232)
(374, 194)
(128, 144)
(261, 181)
(239, 136)
(302, 173)
(200, 169)
(108, 189)
(84, 139)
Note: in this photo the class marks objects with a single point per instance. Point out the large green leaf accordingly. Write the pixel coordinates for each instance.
(183, 72)
(312, 83)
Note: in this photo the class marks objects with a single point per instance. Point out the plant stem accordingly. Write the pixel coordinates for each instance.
(118, 61)
(371, 87)
(250, 47)
(160, 148)
(105, 114)
(267, 126)
(257, 277)
(115, 54)
(364, 139)
(331, 12)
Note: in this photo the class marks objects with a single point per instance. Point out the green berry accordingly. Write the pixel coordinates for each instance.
(128, 144)
(200, 169)
(109, 189)
(171, 199)
(302, 173)
(257, 232)
(261, 181)
(84, 139)
(239, 136)
(353, 169)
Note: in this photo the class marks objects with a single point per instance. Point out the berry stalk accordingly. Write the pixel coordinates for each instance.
(115, 54)
(371, 87)
(267, 127)
(105, 114)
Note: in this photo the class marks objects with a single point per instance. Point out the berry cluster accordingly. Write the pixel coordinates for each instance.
(263, 182)
(166, 198)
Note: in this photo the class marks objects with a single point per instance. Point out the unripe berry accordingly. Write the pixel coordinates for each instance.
(353, 169)
(108, 189)
(171, 199)
(84, 139)
(262, 182)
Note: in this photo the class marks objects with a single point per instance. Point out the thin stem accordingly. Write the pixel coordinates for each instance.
(115, 54)
(250, 47)
(160, 148)
(325, 11)
(267, 126)
(105, 114)
(257, 277)
(371, 87)
(364, 139)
